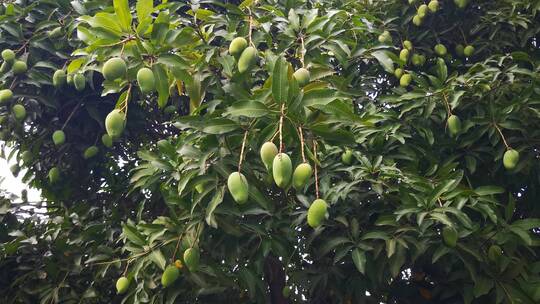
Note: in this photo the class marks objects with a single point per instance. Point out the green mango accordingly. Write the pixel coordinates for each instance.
(433, 6)
(417, 20)
(115, 122)
(238, 187)
(417, 60)
(405, 80)
(54, 175)
(122, 285)
(19, 67)
(302, 76)
(286, 292)
(90, 152)
(468, 51)
(59, 78)
(114, 68)
(440, 49)
(316, 213)
(282, 170)
(398, 72)
(301, 175)
(347, 157)
(15, 168)
(494, 253)
(422, 11)
(237, 46)
(5, 96)
(191, 259)
(454, 125)
(460, 50)
(247, 59)
(146, 80)
(5, 67)
(107, 140)
(8, 55)
(170, 109)
(510, 159)
(59, 137)
(19, 111)
(55, 33)
(404, 55)
(268, 153)
(450, 236)
(170, 275)
(408, 45)
(461, 3)
(385, 37)
(79, 81)
(27, 157)
(69, 79)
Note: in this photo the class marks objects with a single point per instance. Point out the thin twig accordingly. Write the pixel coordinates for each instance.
(316, 171)
(250, 27)
(71, 114)
(281, 128)
(176, 248)
(445, 99)
(302, 143)
(302, 50)
(242, 151)
(502, 136)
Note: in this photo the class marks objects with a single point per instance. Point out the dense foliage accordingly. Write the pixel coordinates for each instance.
(420, 121)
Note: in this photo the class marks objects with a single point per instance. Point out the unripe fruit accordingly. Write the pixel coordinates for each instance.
(122, 285)
(468, 51)
(408, 45)
(170, 275)
(90, 152)
(146, 80)
(301, 175)
(247, 59)
(191, 259)
(398, 72)
(27, 157)
(286, 292)
(59, 78)
(302, 76)
(450, 236)
(54, 175)
(15, 169)
(412, 2)
(268, 152)
(19, 67)
(404, 55)
(237, 46)
(170, 109)
(282, 170)
(59, 137)
(347, 157)
(55, 33)
(454, 124)
(385, 37)
(460, 50)
(417, 20)
(5, 96)
(238, 187)
(405, 80)
(107, 140)
(316, 213)
(79, 81)
(115, 123)
(440, 49)
(416, 60)
(494, 253)
(69, 79)
(114, 68)
(5, 66)
(461, 3)
(510, 159)
(422, 10)
(433, 6)
(19, 111)
(8, 55)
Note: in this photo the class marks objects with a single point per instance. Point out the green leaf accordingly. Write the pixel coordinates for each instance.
(121, 8)
(280, 80)
(216, 200)
(162, 84)
(488, 190)
(248, 108)
(385, 60)
(157, 257)
(133, 235)
(144, 8)
(359, 259)
(219, 126)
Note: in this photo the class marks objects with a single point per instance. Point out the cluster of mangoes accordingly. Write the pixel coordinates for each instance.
(17, 67)
(171, 272)
(244, 54)
(60, 79)
(279, 166)
(423, 10)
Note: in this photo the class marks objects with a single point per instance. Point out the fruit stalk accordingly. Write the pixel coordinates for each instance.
(502, 136)
(316, 171)
(302, 144)
(242, 151)
(281, 128)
